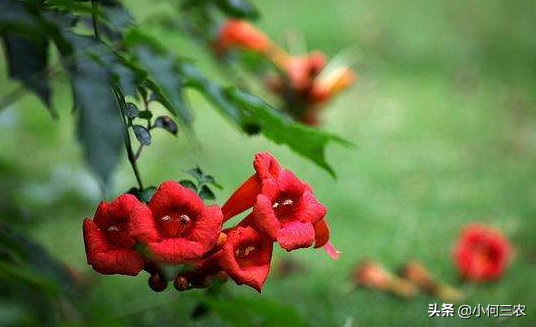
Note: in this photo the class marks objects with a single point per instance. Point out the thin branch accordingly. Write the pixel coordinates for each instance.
(94, 10)
(128, 142)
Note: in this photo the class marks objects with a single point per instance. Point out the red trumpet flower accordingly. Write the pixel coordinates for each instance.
(176, 226)
(246, 257)
(284, 206)
(290, 214)
(109, 245)
(235, 33)
(482, 253)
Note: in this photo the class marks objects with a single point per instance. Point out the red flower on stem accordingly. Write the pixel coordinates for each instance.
(236, 33)
(482, 253)
(109, 245)
(176, 226)
(246, 257)
(289, 214)
(284, 207)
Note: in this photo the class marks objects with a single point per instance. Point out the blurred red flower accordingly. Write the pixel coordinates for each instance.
(482, 253)
(108, 241)
(246, 257)
(176, 226)
(236, 33)
(305, 82)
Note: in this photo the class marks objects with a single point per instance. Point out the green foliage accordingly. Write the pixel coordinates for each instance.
(260, 312)
(27, 58)
(201, 184)
(34, 281)
(307, 141)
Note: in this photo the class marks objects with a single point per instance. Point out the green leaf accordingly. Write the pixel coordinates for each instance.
(164, 79)
(210, 179)
(306, 141)
(100, 127)
(142, 134)
(255, 311)
(27, 61)
(189, 184)
(197, 173)
(166, 123)
(254, 115)
(238, 8)
(206, 193)
(32, 263)
(212, 91)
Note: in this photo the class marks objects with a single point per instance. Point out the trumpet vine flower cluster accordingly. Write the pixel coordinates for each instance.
(177, 237)
(304, 82)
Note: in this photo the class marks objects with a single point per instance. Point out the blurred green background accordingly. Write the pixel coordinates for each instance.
(443, 115)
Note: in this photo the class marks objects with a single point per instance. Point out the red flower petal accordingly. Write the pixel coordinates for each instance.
(321, 233)
(176, 250)
(289, 183)
(264, 218)
(172, 195)
(246, 257)
(266, 165)
(142, 225)
(242, 34)
(264, 181)
(243, 198)
(309, 209)
(207, 227)
(294, 235)
(105, 257)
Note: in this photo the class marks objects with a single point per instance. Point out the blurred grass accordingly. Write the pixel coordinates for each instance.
(443, 116)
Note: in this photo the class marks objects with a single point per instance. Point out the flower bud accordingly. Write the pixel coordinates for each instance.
(157, 283)
(417, 274)
(181, 284)
(372, 275)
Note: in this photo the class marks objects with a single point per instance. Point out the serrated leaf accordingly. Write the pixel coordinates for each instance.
(100, 127)
(306, 141)
(142, 134)
(238, 8)
(206, 193)
(27, 59)
(166, 123)
(132, 110)
(189, 184)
